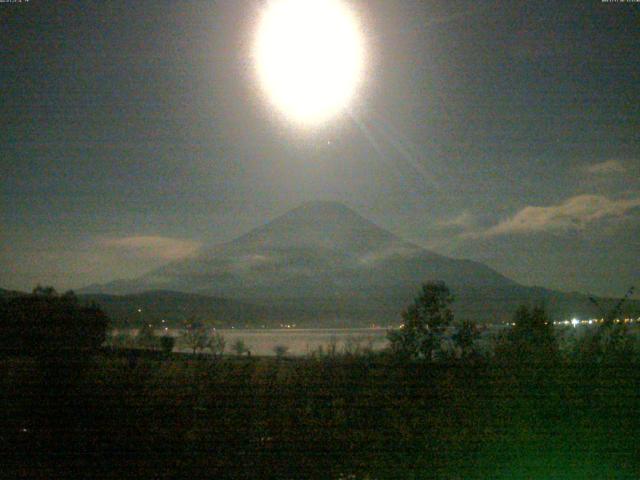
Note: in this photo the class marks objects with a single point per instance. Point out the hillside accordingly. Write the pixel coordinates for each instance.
(175, 307)
(323, 263)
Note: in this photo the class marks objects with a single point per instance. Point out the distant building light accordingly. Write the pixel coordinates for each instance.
(575, 322)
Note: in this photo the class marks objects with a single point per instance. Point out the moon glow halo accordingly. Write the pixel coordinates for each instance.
(309, 57)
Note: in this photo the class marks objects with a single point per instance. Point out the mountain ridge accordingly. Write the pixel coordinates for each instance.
(323, 261)
(318, 238)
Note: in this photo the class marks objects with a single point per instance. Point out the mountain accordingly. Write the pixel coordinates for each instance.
(174, 307)
(324, 263)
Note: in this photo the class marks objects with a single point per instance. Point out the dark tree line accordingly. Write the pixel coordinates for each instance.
(531, 341)
(46, 322)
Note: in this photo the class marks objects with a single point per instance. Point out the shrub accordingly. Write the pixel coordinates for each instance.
(120, 340)
(465, 338)
(280, 350)
(531, 341)
(217, 344)
(146, 337)
(239, 347)
(606, 344)
(167, 343)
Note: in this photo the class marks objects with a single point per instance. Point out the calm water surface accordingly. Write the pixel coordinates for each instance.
(304, 341)
(298, 341)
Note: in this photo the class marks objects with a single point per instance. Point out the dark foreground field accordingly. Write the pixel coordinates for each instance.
(111, 416)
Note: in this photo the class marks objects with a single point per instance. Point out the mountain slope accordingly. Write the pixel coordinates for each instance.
(316, 250)
(175, 307)
(322, 262)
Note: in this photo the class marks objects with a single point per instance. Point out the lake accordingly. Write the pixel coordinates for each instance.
(302, 341)
(298, 341)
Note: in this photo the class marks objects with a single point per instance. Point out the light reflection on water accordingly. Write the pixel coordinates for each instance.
(305, 341)
(298, 341)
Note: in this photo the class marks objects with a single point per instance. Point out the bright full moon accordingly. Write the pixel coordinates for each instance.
(309, 56)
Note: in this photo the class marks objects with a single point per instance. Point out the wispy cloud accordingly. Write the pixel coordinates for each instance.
(575, 213)
(462, 221)
(606, 168)
(163, 248)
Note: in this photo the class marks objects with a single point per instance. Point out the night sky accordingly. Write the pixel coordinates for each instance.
(505, 132)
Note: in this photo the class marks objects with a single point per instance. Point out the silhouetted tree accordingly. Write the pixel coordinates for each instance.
(121, 340)
(146, 337)
(239, 347)
(280, 350)
(465, 337)
(217, 344)
(425, 320)
(195, 335)
(48, 292)
(167, 343)
(613, 313)
(531, 340)
(610, 342)
(47, 323)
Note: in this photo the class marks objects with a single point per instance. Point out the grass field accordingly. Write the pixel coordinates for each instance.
(367, 416)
